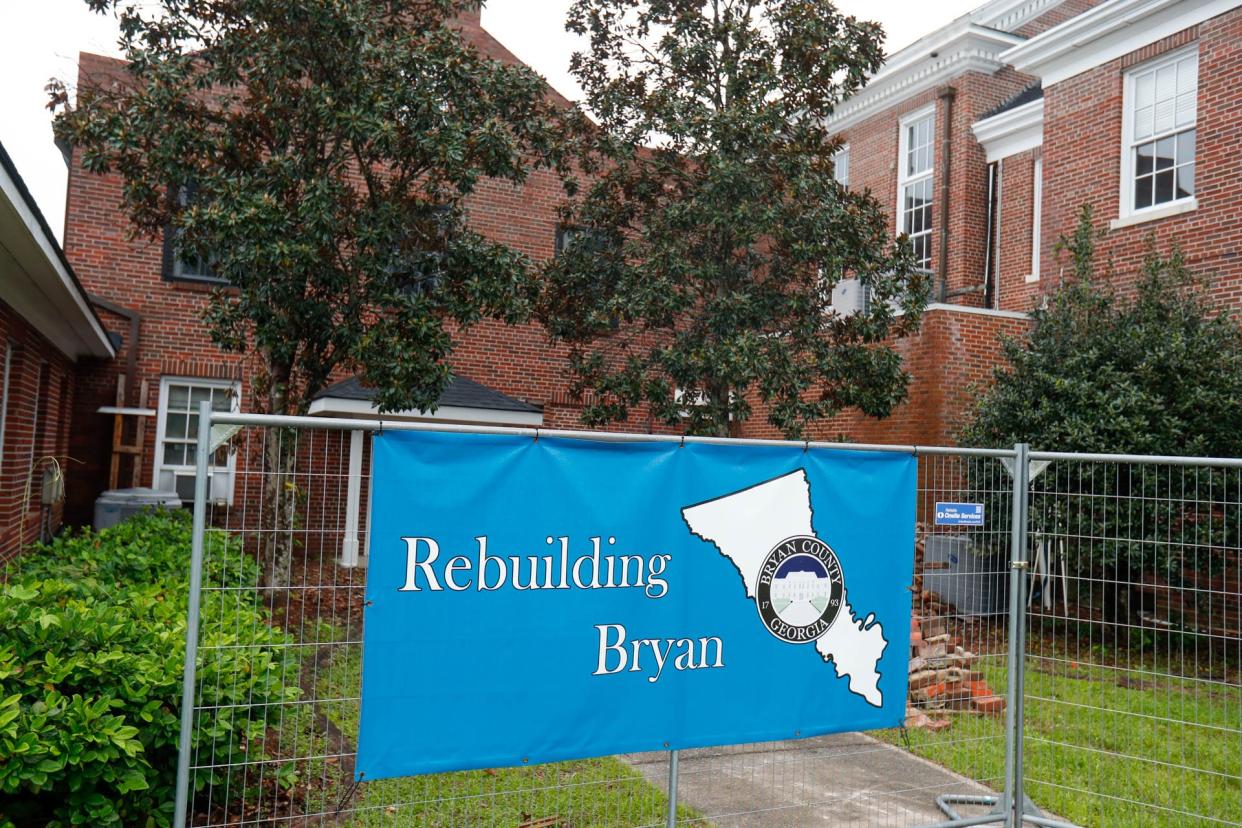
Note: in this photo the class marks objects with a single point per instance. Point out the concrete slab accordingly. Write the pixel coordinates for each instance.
(842, 780)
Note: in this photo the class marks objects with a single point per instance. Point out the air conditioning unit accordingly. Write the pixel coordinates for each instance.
(850, 296)
(183, 484)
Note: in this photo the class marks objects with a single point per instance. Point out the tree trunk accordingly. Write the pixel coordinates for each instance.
(279, 492)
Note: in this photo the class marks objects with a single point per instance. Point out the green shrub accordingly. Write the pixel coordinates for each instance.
(90, 673)
(1156, 372)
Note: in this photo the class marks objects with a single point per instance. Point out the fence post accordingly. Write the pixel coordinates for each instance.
(185, 744)
(673, 756)
(1013, 799)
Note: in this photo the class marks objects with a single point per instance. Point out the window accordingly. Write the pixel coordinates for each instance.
(197, 269)
(1158, 155)
(1037, 210)
(841, 166)
(176, 437)
(914, 183)
(590, 243)
(418, 259)
(570, 234)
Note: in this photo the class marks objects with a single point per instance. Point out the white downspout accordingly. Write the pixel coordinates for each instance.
(349, 545)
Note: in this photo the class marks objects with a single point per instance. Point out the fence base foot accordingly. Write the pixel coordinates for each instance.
(1030, 813)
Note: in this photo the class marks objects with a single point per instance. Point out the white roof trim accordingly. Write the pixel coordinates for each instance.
(1012, 131)
(1107, 32)
(39, 287)
(1008, 15)
(962, 46)
(346, 407)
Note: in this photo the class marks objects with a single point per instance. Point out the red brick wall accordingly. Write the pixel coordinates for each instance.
(36, 428)
(1015, 231)
(950, 360)
(516, 360)
(874, 145)
(173, 340)
(1082, 163)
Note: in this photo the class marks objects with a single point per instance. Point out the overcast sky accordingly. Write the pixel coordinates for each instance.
(40, 39)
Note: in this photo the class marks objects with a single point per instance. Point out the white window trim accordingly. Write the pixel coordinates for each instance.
(1037, 213)
(1166, 210)
(1126, 214)
(902, 180)
(161, 414)
(843, 151)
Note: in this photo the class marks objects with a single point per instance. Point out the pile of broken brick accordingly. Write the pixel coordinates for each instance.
(942, 675)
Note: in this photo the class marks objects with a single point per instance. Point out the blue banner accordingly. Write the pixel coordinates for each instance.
(538, 600)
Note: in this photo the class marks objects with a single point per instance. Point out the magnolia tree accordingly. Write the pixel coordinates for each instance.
(704, 242)
(314, 156)
(1153, 370)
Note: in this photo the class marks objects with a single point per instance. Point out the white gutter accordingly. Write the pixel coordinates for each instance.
(42, 290)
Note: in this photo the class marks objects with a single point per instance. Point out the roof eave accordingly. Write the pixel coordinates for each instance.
(50, 295)
(961, 47)
(1108, 31)
(1012, 131)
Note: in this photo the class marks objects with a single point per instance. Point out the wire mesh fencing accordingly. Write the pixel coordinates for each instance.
(1132, 691)
(1129, 719)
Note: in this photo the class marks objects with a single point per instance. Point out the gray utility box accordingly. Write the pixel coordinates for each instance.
(976, 584)
(113, 507)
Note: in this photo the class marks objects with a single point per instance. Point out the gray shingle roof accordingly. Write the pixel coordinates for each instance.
(1032, 93)
(461, 392)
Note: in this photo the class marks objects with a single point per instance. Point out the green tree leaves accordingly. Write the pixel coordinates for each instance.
(1158, 372)
(716, 230)
(320, 137)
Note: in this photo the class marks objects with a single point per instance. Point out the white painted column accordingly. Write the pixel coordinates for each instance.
(349, 546)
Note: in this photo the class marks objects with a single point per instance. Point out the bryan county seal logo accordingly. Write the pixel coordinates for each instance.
(800, 586)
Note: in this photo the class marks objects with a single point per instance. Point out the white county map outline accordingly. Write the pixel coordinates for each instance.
(747, 524)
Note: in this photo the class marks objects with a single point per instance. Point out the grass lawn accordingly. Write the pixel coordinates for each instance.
(603, 792)
(1110, 746)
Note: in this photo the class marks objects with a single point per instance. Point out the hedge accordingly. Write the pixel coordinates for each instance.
(90, 673)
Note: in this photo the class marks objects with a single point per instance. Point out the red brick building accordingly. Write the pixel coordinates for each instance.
(985, 137)
(49, 337)
(988, 135)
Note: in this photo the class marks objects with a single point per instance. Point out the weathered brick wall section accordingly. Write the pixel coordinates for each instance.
(874, 145)
(173, 340)
(950, 361)
(955, 351)
(1082, 146)
(37, 415)
(977, 93)
(1015, 242)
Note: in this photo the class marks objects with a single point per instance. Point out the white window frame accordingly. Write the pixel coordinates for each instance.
(905, 180)
(844, 152)
(1125, 202)
(220, 493)
(1037, 213)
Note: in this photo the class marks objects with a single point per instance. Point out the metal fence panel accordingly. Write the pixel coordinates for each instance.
(1119, 730)
(1133, 696)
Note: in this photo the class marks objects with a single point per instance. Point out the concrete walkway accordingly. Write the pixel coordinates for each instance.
(843, 780)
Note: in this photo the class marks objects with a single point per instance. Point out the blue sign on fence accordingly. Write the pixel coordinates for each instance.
(959, 514)
(539, 600)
